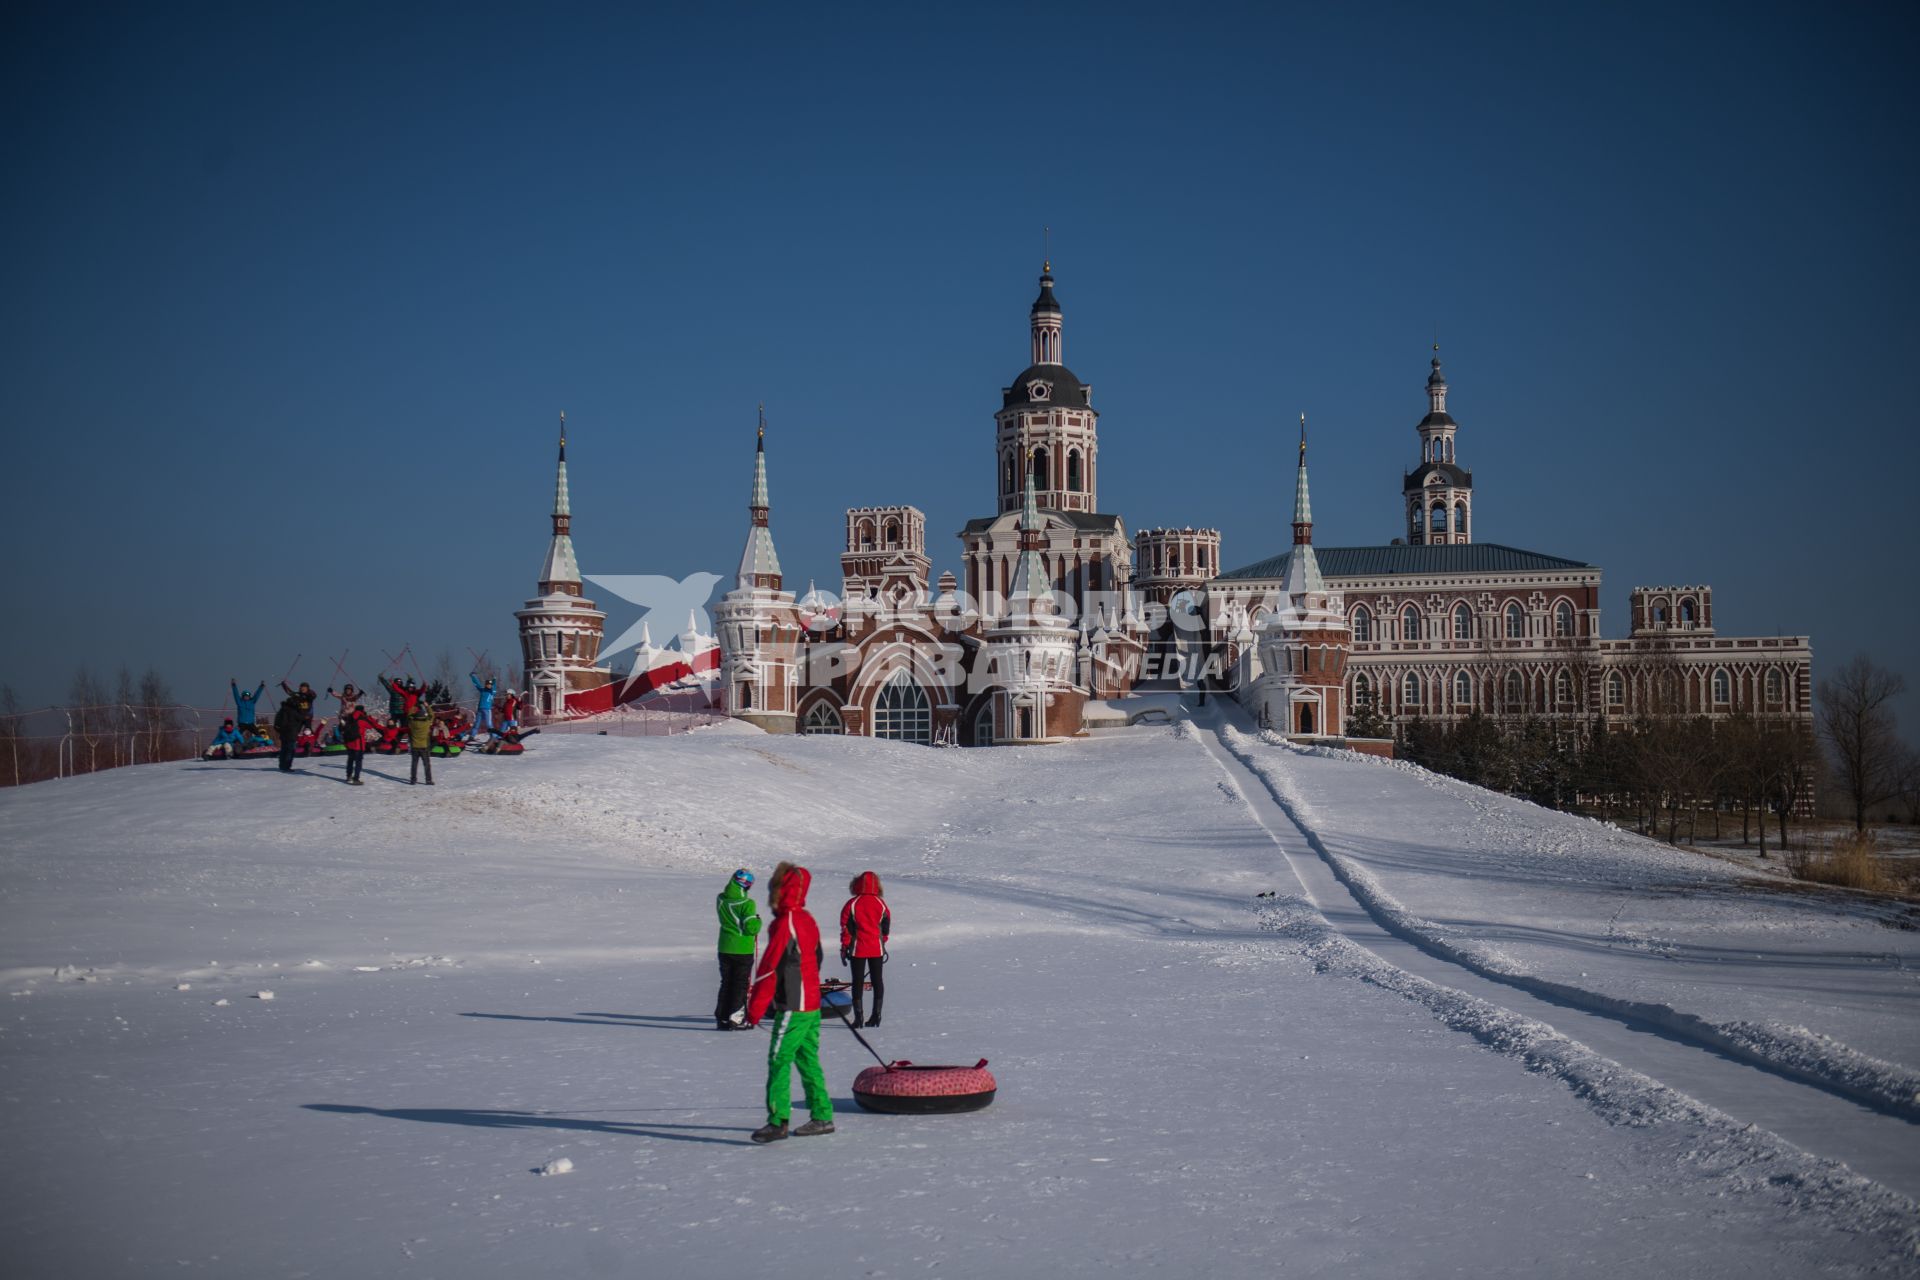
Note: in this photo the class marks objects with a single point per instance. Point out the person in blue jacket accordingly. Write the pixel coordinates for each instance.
(229, 739)
(243, 702)
(483, 715)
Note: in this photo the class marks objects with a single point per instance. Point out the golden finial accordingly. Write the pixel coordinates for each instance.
(763, 420)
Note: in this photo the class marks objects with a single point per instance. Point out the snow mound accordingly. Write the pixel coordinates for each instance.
(555, 1166)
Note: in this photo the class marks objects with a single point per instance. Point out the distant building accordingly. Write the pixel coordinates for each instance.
(1060, 609)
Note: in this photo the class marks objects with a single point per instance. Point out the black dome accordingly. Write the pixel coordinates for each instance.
(1046, 300)
(1063, 388)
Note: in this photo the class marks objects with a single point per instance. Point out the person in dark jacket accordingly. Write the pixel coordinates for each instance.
(788, 983)
(420, 741)
(739, 934)
(295, 713)
(865, 924)
(355, 725)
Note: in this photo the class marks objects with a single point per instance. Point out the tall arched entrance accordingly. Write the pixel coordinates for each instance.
(902, 711)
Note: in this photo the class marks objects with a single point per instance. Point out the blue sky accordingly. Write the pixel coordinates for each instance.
(294, 295)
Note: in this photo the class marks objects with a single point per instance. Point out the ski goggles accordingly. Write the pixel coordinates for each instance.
(743, 878)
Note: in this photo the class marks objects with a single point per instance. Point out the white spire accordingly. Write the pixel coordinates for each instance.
(759, 563)
(561, 570)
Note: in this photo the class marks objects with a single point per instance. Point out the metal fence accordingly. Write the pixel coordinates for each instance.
(59, 742)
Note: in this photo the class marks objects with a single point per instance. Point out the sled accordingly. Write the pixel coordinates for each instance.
(913, 1089)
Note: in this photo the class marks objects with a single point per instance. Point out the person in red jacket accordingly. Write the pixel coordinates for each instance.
(788, 983)
(355, 725)
(865, 923)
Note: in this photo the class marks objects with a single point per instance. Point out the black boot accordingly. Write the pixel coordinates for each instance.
(770, 1132)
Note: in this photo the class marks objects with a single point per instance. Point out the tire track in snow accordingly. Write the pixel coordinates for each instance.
(1788, 1121)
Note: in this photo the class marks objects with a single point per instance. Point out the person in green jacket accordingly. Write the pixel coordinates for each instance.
(739, 930)
(420, 739)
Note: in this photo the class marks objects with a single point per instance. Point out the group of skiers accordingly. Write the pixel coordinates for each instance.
(412, 724)
(787, 981)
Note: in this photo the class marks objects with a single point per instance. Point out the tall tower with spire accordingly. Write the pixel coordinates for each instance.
(560, 630)
(1438, 492)
(1304, 642)
(1046, 437)
(759, 627)
(1047, 422)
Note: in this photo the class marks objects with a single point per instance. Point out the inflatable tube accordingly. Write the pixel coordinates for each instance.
(908, 1088)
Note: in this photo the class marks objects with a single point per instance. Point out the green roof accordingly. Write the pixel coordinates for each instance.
(1389, 561)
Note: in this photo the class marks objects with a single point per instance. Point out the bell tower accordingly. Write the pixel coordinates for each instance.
(1439, 492)
(1046, 424)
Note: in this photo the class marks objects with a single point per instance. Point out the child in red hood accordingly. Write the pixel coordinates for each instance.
(865, 923)
(788, 982)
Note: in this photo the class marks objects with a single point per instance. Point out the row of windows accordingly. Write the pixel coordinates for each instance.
(1413, 689)
(1413, 623)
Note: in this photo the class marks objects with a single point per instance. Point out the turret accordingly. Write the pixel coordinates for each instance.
(1439, 492)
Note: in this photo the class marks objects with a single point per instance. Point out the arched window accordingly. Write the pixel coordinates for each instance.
(1516, 691)
(901, 711)
(1410, 623)
(1437, 518)
(1774, 686)
(1362, 691)
(865, 530)
(1722, 689)
(1012, 484)
(983, 725)
(1462, 622)
(1687, 612)
(1563, 689)
(1462, 689)
(1616, 690)
(1516, 622)
(1563, 619)
(1459, 515)
(1362, 624)
(1659, 610)
(823, 719)
(1041, 471)
(892, 535)
(746, 697)
(1073, 471)
(1410, 691)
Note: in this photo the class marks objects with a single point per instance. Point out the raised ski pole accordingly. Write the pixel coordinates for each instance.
(290, 668)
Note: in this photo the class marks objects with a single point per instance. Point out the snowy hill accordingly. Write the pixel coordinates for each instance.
(1253, 1011)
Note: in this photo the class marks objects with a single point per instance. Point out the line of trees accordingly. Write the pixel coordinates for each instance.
(1663, 770)
(1654, 774)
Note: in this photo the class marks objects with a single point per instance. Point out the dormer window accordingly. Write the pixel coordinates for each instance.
(1039, 389)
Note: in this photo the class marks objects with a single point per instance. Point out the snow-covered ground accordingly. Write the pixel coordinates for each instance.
(1253, 1011)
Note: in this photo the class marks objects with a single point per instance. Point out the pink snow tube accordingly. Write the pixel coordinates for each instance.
(908, 1088)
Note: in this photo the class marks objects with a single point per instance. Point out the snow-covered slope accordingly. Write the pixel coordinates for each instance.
(514, 967)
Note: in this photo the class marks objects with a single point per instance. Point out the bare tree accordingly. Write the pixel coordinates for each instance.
(1856, 721)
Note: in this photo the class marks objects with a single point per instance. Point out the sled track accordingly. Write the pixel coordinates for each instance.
(1670, 1060)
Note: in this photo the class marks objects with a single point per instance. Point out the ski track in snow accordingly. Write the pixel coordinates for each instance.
(1744, 1154)
(1795, 1051)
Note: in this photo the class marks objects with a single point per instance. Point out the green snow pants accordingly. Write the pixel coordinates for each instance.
(796, 1043)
